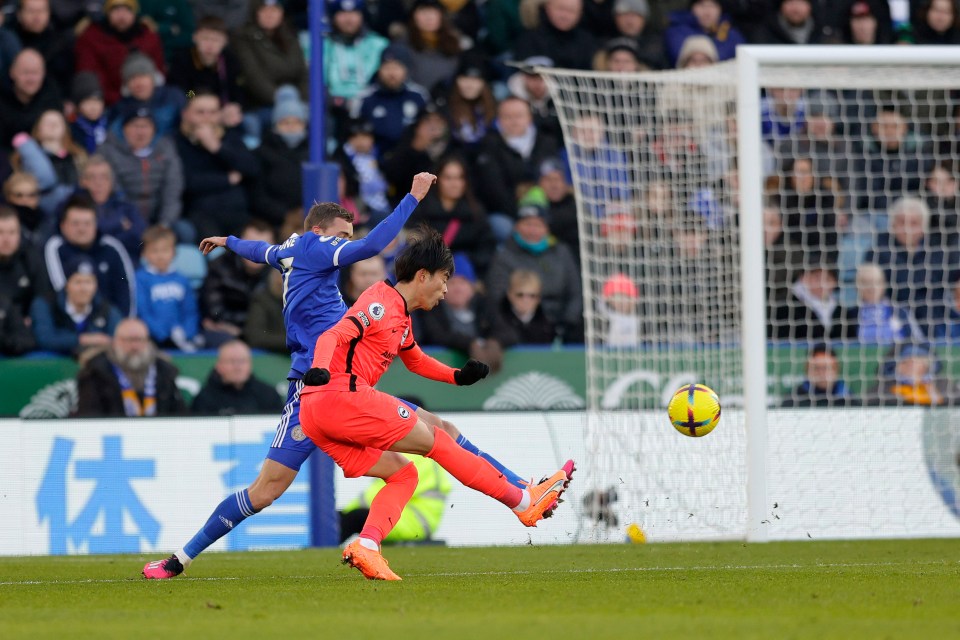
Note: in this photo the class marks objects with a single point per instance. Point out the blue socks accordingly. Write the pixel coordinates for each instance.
(232, 511)
(511, 477)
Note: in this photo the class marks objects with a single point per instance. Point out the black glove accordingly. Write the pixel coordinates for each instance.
(471, 372)
(316, 377)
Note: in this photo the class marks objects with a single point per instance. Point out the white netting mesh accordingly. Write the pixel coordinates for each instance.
(861, 232)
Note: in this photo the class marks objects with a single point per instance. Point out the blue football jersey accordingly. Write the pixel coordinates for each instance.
(310, 265)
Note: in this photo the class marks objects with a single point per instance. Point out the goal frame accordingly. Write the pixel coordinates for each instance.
(750, 59)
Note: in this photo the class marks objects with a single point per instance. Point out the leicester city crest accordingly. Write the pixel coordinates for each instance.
(298, 434)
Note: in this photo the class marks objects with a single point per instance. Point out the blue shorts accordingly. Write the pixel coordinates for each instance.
(291, 447)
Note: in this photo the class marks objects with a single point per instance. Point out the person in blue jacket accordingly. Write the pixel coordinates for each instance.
(165, 300)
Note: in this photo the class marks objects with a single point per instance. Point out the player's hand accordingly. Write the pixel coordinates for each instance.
(209, 244)
(316, 377)
(421, 185)
(471, 372)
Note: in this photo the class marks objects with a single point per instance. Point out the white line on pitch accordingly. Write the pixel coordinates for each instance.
(833, 565)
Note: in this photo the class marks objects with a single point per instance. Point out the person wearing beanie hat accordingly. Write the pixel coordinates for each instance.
(705, 18)
(639, 7)
(76, 318)
(143, 87)
(697, 51)
(89, 128)
(351, 57)
(282, 151)
(104, 44)
(619, 313)
(623, 56)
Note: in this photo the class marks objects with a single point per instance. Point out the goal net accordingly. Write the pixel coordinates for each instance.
(829, 186)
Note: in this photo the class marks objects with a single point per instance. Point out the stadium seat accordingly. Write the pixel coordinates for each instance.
(191, 263)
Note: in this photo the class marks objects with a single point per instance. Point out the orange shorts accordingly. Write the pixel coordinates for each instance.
(355, 427)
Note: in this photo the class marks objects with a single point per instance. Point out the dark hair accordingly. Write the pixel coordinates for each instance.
(820, 348)
(261, 226)
(426, 250)
(321, 214)
(212, 23)
(469, 198)
(78, 201)
(8, 212)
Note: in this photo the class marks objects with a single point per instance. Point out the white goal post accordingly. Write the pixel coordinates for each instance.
(701, 137)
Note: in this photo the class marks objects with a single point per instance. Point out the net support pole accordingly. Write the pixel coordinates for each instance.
(753, 285)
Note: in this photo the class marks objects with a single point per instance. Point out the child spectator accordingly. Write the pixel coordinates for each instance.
(520, 318)
(53, 157)
(877, 320)
(76, 318)
(619, 313)
(165, 300)
(89, 126)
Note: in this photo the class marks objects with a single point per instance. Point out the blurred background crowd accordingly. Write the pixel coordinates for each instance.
(131, 129)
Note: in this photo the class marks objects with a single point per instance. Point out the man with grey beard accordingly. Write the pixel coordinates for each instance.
(128, 379)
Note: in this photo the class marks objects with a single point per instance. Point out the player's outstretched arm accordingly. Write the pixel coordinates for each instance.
(252, 250)
(384, 233)
(423, 365)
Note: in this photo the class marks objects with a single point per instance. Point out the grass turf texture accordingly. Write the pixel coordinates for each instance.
(850, 589)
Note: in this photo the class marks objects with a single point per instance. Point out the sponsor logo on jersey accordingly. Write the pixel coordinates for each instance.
(363, 318)
(376, 310)
(403, 412)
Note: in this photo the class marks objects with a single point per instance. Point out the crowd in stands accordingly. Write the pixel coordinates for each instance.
(131, 129)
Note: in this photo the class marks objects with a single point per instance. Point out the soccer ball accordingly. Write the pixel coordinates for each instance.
(694, 410)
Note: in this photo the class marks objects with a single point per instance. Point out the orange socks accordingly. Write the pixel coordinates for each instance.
(473, 471)
(389, 502)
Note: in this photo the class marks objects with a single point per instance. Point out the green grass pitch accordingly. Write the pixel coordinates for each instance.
(848, 590)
